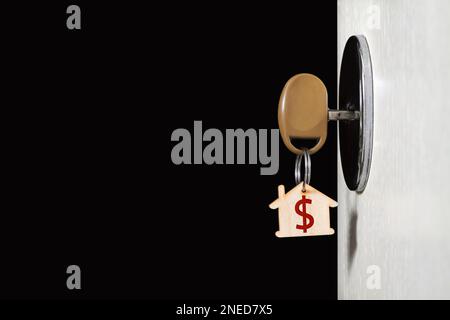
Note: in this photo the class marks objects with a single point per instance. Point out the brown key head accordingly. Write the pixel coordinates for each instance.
(303, 111)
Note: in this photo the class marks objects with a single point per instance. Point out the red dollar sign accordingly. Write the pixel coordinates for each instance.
(304, 214)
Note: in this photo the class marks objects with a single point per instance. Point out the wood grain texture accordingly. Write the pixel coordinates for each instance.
(401, 222)
(317, 206)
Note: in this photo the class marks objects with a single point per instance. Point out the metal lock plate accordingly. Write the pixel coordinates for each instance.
(356, 95)
(303, 112)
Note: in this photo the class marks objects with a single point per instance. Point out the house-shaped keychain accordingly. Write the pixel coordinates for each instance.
(302, 214)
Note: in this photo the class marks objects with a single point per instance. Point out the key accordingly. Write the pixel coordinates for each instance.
(303, 112)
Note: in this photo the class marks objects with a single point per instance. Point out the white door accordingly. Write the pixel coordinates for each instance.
(398, 230)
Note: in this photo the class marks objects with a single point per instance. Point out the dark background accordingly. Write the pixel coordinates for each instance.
(88, 178)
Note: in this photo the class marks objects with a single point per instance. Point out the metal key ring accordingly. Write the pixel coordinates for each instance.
(298, 162)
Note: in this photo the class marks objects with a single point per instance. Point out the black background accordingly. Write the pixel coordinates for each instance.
(88, 177)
